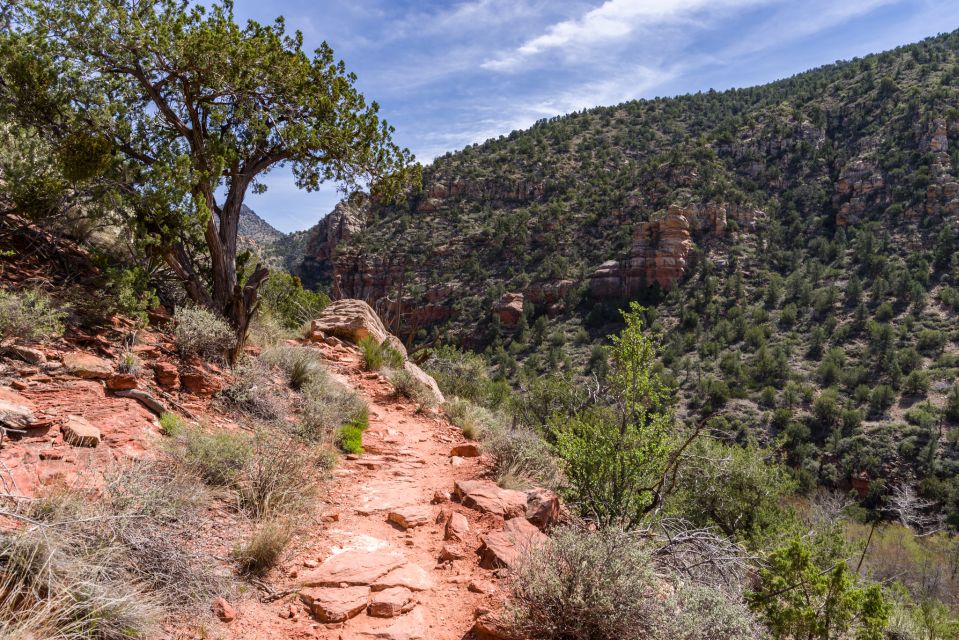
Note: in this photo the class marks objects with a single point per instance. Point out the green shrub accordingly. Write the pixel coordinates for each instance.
(171, 424)
(704, 613)
(615, 456)
(218, 458)
(916, 383)
(350, 439)
(129, 363)
(264, 548)
(881, 398)
(378, 355)
(200, 332)
(596, 585)
(285, 299)
(830, 602)
(407, 386)
(29, 315)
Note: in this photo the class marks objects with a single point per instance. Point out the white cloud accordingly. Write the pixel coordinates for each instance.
(612, 21)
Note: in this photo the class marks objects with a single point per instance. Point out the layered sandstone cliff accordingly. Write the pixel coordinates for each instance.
(660, 250)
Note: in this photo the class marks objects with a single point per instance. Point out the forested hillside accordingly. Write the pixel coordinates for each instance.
(795, 244)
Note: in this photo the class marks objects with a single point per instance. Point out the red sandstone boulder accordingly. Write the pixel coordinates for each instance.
(486, 497)
(122, 382)
(509, 309)
(79, 432)
(542, 507)
(199, 382)
(504, 548)
(166, 375)
(84, 365)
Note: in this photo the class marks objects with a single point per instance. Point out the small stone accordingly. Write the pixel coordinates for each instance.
(79, 432)
(456, 528)
(451, 552)
(391, 602)
(28, 354)
(480, 586)
(409, 517)
(19, 385)
(224, 610)
(468, 450)
(122, 381)
(440, 497)
(456, 461)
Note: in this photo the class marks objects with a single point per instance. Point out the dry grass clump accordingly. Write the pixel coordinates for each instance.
(327, 405)
(253, 390)
(265, 547)
(301, 365)
(269, 473)
(473, 419)
(200, 332)
(105, 565)
(405, 385)
(521, 454)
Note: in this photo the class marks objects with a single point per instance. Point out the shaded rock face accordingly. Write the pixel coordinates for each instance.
(509, 308)
(347, 218)
(492, 189)
(660, 250)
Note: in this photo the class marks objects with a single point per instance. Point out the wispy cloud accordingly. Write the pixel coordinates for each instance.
(612, 21)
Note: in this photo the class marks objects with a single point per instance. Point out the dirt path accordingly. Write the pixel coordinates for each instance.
(359, 555)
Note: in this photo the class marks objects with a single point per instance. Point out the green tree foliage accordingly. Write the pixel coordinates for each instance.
(288, 302)
(802, 600)
(732, 487)
(616, 456)
(180, 104)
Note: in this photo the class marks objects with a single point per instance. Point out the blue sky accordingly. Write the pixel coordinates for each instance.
(448, 74)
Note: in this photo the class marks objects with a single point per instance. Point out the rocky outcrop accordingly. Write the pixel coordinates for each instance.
(661, 247)
(348, 217)
(491, 189)
(509, 309)
(354, 320)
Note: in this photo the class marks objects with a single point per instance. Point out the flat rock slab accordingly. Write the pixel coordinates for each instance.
(352, 567)
(412, 626)
(332, 604)
(504, 548)
(391, 602)
(79, 432)
(409, 576)
(409, 517)
(14, 414)
(84, 365)
(486, 497)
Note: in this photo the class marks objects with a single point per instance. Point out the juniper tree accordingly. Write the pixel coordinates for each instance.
(189, 111)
